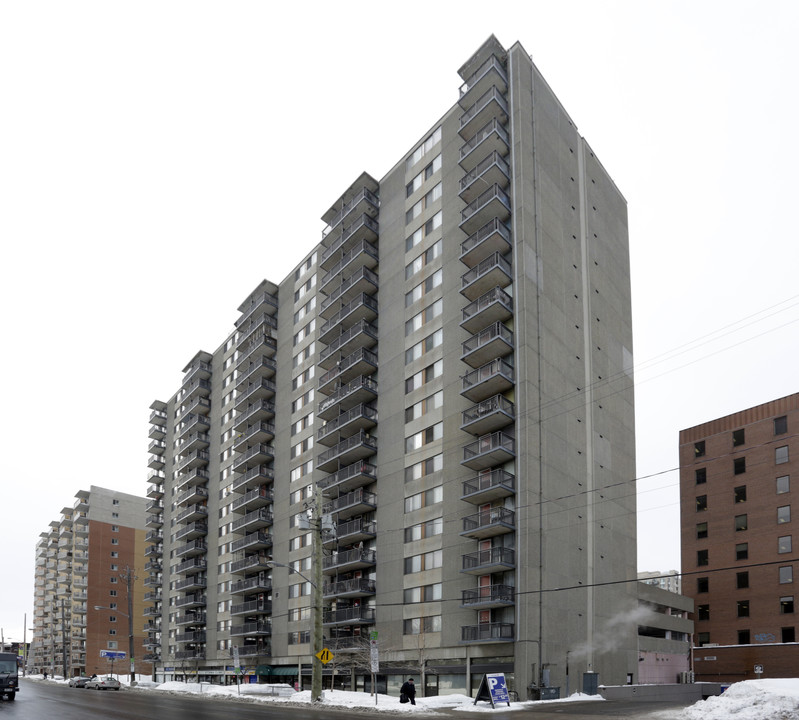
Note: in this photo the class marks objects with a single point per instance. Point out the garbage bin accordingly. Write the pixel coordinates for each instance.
(543, 693)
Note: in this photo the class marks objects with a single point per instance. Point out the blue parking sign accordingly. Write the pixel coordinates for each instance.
(493, 688)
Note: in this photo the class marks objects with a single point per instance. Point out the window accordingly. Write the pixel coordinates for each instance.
(304, 332)
(305, 309)
(429, 143)
(302, 400)
(114, 567)
(738, 438)
(788, 635)
(423, 260)
(424, 468)
(425, 316)
(786, 605)
(112, 644)
(702, 584)
(743, 608)
(421, 408)
(299, 589)
(424, 530)
(701, 476)
(112, 618)
(783, 514)
(703, 638)
(115, 502)
(424, 437)
(300, 638)
(426, 174)
(701, 502)
(305, 288)
(302, 424)
(421, 378)
(781, 425)
(743, 637)
(703, 612)
(739, 494)
(740, 523)
(417, 351)
(424, 287)
(115, 515)
(421, 233)
(739, 466)
(786, 574)
(699, 449)
(702, 557)
(781, 455)
(783, 484)
(115, 541)
(112, 593)
(114, 554)
(784, 544)
(701, 530)
(419, 207)
(113, 580)
(424, 499)
(417, 626)
(425, 561)
(742, 580)
(742, 551)
(115, 528)
(425, 593)
(303, 377)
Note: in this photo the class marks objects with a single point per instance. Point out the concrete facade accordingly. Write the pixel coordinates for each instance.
(78, 566)
(664, 636)
(451, 370)
(738, 559)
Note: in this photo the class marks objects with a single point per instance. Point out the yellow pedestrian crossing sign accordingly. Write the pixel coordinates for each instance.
(325, 656)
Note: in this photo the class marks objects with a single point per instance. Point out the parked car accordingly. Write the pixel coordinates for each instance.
(103, 683)
(78, 682)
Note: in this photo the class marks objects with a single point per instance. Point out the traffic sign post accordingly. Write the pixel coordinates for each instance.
(374, 660)
(325, 656)
(112, 655)
(758, 670)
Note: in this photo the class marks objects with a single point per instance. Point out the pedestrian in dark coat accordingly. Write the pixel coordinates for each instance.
(410, 690)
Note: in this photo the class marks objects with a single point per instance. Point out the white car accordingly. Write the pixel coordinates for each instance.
(104, 683)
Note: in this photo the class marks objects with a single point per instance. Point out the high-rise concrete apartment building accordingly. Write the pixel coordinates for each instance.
(451, 368)
(81, 564)
(738, 558)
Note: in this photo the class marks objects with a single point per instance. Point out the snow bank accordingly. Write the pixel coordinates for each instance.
(750, 700)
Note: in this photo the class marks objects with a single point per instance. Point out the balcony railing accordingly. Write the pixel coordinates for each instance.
(349, 616)
(490, 557)
(488, 632)
(479, 524)
(489, 486)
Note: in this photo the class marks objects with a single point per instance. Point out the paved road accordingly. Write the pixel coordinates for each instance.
(39, 700)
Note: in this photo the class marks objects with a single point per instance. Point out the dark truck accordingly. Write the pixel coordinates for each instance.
(9, 675)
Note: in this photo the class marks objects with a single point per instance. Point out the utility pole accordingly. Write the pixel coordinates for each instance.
(316, 529)
(128, 576)
(63, 640)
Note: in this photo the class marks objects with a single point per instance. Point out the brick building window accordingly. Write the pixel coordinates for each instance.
(740, 523)
(781, 425)
(739, 494)
(739, 466)
(702, 584)
(738, 437)
(786, 605)
(701, 476)
(701, 531)
(699, 449)
(786, 574)
(781, 455)
(703, 612)
(743, 608)
(742, 551)
(784, 544)
(783, 484)
(701, 557)
(701, 502)
(743, 637)
(703, 638)
(742, 580)
(788, 635)
(783, 514)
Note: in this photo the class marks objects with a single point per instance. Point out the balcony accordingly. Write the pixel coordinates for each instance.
(363, 254)
(347, 561)
(254, 584)
(157, 477)
(348, 478)
(253, 499)
(195, 547)
(361, 362)
(156, 432)
(199, 369)
(360, 417)
(361, 307)
(361, 334)
(490, 105)
(487, 633)
(362, 202)
(194, 636)
(256, 455)
(264, 346)
(153, 566)
(354, 588)
(198, 387)
(251, 563)
(157, 447)
(360, 615)
(156, 462)
(490, 308)
(192, 531)
(493, 272)
(255, 650)
(149, 551)
(493, 203)
(158, 417)
(192, 513)
(489, 74)
(260, 432)
(489, 450)
(195, 441)
(489, 486)
(354, 503)
(253, 541)
(194, 494)
(491, 170)
(152, 611)
(255, 520)
(263, 410)
(360, 390)
(264, 367)
(191, 618)
(352, 532)
(491, 560)
(258, 327)
(153, 581)
(263, 302)
(197, 476)
(199, 405)
(489, 523)
(154, 506)
(490, 379)
(193, 423)
(253, 478)
(153, 596)
(495, 341)
(190, 655)
(363, 228)
(155, 491)
(252, 607)
(354, 448)
(488, 415)
(154, 536)
(263, 389)
(198, 458)
(192, 565)
(252, 629)
(194, 582)
(191, 600)
(362, 281)
(491, 138)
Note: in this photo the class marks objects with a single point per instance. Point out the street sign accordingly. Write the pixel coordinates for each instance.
(112, 654)
(493, 688)
(325, 656)
(374, 657)
(236, 659)
(758, 669)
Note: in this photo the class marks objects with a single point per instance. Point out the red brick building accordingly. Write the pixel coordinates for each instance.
(739, 553)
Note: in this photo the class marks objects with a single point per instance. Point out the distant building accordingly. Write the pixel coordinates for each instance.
(668, 580)
(738, 555)
(81, 562)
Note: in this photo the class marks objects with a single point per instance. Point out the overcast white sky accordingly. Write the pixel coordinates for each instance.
(150, 150)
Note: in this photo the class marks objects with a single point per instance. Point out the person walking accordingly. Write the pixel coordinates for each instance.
(409, 690)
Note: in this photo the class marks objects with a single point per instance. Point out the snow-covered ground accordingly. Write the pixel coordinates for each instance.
(748, 700)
